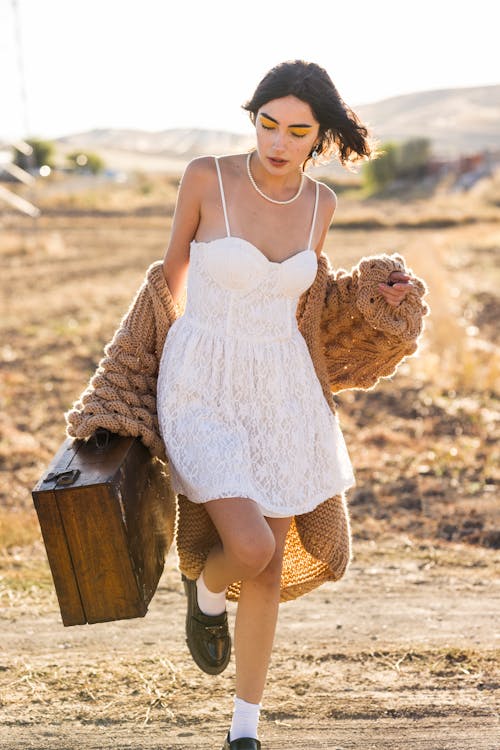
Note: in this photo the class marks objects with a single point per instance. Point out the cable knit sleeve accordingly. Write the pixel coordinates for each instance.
(363, 337)
(121, 395)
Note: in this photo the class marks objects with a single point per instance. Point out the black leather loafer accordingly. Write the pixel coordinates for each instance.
(207, 636)
(244, 743)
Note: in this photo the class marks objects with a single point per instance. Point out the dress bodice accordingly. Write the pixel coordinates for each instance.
(234, 290)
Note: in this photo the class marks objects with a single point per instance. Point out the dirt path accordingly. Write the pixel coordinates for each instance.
(402, 653)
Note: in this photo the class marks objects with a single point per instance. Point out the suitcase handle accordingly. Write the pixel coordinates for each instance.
(102, 437)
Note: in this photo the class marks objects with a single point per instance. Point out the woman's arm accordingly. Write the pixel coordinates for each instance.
(365, 335)
(194, 183)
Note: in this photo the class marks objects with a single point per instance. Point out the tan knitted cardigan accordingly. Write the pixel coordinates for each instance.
(354, 338)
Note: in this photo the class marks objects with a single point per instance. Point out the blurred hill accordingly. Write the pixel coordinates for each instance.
(162, 151)
(457, 121)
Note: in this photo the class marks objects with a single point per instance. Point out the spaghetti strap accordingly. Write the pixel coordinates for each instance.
(222, 196)
(314, 217)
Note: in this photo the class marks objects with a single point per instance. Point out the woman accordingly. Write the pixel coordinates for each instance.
(246, 427)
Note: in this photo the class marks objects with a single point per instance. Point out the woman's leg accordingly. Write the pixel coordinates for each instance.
(256, 619)
(251, 552)
(247, 546)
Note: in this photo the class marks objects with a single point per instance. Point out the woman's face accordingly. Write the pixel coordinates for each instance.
(287, 131)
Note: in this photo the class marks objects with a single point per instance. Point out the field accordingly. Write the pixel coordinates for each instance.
(403, 652)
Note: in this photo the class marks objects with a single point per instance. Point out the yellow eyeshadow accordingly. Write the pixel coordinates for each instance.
(272, 125)
(267, 123)
(300, 131)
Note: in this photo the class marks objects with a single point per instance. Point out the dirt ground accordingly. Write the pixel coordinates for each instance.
(402, 653)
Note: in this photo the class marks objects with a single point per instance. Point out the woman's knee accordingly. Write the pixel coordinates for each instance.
(271, 574)
(245, 534)
(253, 551)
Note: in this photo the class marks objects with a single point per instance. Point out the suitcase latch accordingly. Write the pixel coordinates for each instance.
(63, 478)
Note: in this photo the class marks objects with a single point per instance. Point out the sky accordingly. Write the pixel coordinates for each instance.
(70, 66)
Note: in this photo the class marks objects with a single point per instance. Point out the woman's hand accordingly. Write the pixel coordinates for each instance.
(396, 288)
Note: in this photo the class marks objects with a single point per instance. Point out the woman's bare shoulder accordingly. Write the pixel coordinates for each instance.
(327, 197)
(206, 164)
(233, 165)
(199, 177)
(202, 171)
(200, 167)
(327, 203)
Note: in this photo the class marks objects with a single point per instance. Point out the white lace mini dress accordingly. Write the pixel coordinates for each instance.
(241, 410)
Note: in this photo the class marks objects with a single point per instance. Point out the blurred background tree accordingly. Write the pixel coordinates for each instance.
(413, 157)
(86, 161)
(405, 160)
(381, 171)
(42, 154)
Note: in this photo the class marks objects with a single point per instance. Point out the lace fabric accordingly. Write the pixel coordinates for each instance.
(240, 408)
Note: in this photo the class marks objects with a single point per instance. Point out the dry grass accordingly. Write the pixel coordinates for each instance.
(18, 528)
(462, 336)
(424, 444)
(139, 690)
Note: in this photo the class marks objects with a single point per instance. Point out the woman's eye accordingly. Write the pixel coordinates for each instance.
(296, 132)
(267, 124)
(300, 132)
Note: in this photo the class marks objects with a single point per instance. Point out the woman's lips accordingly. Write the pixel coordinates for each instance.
(277, 162)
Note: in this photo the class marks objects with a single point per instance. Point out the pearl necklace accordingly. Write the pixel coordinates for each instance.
(272, 200)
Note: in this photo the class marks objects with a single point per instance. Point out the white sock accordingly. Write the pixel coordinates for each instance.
(245, 720)
(210, 603)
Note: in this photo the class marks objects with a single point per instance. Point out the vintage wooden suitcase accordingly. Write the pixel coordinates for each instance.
(106, 512)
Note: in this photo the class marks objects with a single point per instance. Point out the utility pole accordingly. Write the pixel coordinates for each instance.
(8, 196)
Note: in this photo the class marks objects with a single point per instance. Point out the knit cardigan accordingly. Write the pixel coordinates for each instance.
(354, 338)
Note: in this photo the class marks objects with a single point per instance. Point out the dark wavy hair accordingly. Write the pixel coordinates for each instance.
(341, 133)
